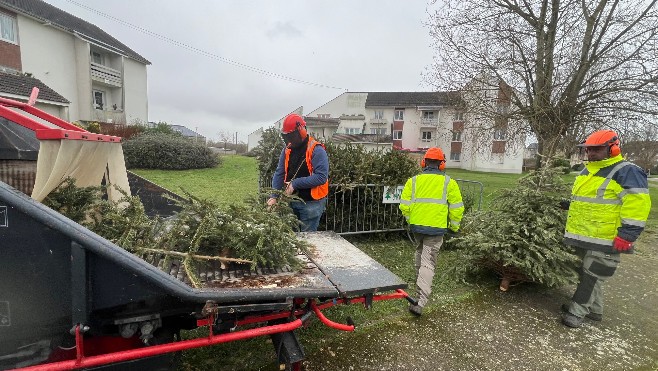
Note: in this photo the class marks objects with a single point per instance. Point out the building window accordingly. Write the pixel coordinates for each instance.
(324, 115)
(456, 136)
(397, 134)
(99, 99)
(8, 28)
(352, 130)
(378, 131)
(379, 115)
(426, 136)
(455, 156)
(97, 58)
(500, 134)
(428, 115)
(459, 116)
(399, 115)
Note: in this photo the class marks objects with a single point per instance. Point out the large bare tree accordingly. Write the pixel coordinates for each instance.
(572, 66)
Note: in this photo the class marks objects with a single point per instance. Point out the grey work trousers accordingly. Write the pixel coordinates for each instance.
(597, 268)
(427, 247)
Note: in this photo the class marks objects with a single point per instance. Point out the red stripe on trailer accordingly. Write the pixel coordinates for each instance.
(64, 129)
(164, 348)
(328, 322)
(16, 117)
(47, 134)
(50, 118)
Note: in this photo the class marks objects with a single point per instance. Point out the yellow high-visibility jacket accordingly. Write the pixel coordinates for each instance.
(432, 203)
(609, 198)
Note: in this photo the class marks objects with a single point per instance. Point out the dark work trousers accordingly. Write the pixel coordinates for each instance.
(427, 247)
(597, 268)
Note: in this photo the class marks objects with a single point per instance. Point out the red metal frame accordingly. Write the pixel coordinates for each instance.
(121, 356)
(65, 129)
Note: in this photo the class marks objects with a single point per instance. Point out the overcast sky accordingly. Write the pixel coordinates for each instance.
(333, 46)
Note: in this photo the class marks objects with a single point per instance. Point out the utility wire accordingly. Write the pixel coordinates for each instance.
(203, 52)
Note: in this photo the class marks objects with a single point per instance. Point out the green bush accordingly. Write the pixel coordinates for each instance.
(578, 167)
(167, 152)
(94, 127)
(561, 163)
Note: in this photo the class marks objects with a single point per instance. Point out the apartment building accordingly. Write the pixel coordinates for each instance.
(415, 121)
(95, 77)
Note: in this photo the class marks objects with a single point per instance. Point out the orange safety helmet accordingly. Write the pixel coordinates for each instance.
(294, 122)
(603, 138)
(434, 153)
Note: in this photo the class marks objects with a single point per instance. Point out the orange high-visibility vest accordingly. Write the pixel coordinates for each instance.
(317, 192)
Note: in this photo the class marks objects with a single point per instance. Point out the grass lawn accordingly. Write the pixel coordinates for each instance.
(232, 181)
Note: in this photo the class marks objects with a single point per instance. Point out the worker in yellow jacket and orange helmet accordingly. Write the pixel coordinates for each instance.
(432, 204)
(608, 210)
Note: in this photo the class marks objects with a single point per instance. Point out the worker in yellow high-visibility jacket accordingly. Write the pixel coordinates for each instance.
(432, 204)
(608, 210)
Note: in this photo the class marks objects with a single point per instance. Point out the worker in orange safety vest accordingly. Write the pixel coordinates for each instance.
(303, 170)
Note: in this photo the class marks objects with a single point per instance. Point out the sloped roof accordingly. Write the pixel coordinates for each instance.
(17, 142)
(22, 85)
(186, 132)
(412, 99)
(48, 13)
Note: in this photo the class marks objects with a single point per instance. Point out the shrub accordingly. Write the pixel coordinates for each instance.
(167, 152)
(94, 127)
(578, 167)
(561, 163)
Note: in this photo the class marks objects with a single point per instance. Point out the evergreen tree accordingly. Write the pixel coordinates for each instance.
(520, 238)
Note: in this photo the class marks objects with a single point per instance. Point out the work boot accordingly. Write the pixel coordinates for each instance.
(416, 310)
(570, 320)
(593, 316)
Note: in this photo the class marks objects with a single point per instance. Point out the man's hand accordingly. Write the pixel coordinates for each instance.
(271, 202)
(621, 244)
(289, 188)
(564, 204)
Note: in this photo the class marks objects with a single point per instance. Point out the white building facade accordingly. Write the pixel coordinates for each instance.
(103, 79)
(416, 121)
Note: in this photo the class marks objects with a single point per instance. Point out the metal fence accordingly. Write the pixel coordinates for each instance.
(373, 208)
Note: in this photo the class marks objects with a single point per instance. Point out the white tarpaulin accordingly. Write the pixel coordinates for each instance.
(85, 161)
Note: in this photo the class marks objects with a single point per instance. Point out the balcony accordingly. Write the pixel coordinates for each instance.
(378, 121)
(429, 122)
(117, 116)
(105, 75)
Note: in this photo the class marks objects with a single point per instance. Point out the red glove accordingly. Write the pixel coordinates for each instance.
(621, 244)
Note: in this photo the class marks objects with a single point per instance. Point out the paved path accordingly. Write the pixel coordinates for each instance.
(517, 330)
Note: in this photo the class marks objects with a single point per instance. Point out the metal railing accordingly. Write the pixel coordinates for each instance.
(105, 74)
(360, 208)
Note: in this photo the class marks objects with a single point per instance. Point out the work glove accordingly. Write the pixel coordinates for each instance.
(564, 204)
(621, 244)
(451, 232)
(271, 202)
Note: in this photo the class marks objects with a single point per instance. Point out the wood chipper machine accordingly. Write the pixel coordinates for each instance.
(70, 299)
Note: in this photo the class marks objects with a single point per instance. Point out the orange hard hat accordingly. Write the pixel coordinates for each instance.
(434, 153)
(292, 122)
(603, 138)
